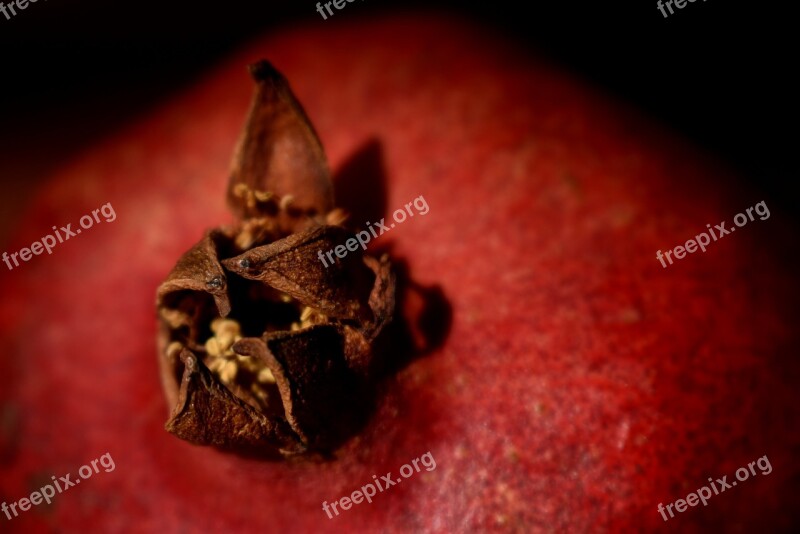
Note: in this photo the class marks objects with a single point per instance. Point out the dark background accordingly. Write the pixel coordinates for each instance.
(721, 74)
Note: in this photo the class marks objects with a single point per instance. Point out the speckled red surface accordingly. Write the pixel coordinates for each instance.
(580, 385)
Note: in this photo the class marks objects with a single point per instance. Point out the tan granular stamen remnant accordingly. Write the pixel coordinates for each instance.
(286, 201)
(336, 217)
(263, 196)
(173, 318)
(308, 317)
(174, 349)
(225, 363)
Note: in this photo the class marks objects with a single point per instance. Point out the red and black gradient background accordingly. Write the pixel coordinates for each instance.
(721, 75)
(559, 324)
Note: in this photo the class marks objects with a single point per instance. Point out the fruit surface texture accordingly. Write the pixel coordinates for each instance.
(579, 383)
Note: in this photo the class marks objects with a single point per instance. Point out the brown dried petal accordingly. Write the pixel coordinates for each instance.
(292, 265)
(208, 414)
(197, 270)
(357, 351)
(314, 381)
(279, 153)
(381, 300)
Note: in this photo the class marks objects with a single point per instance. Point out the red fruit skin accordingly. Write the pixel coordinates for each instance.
(581, 383)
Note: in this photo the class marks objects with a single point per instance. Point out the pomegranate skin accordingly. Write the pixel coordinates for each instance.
(579, 385)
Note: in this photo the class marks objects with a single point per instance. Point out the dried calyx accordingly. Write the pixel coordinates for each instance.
(262, 348)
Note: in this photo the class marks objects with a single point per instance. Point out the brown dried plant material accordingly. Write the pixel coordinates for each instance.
(262, 347)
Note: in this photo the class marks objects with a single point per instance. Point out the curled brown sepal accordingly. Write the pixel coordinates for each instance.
(340, 290)
(313, 378)
(264, 347)
(208, 414)
(197, 270)
(278, 154)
